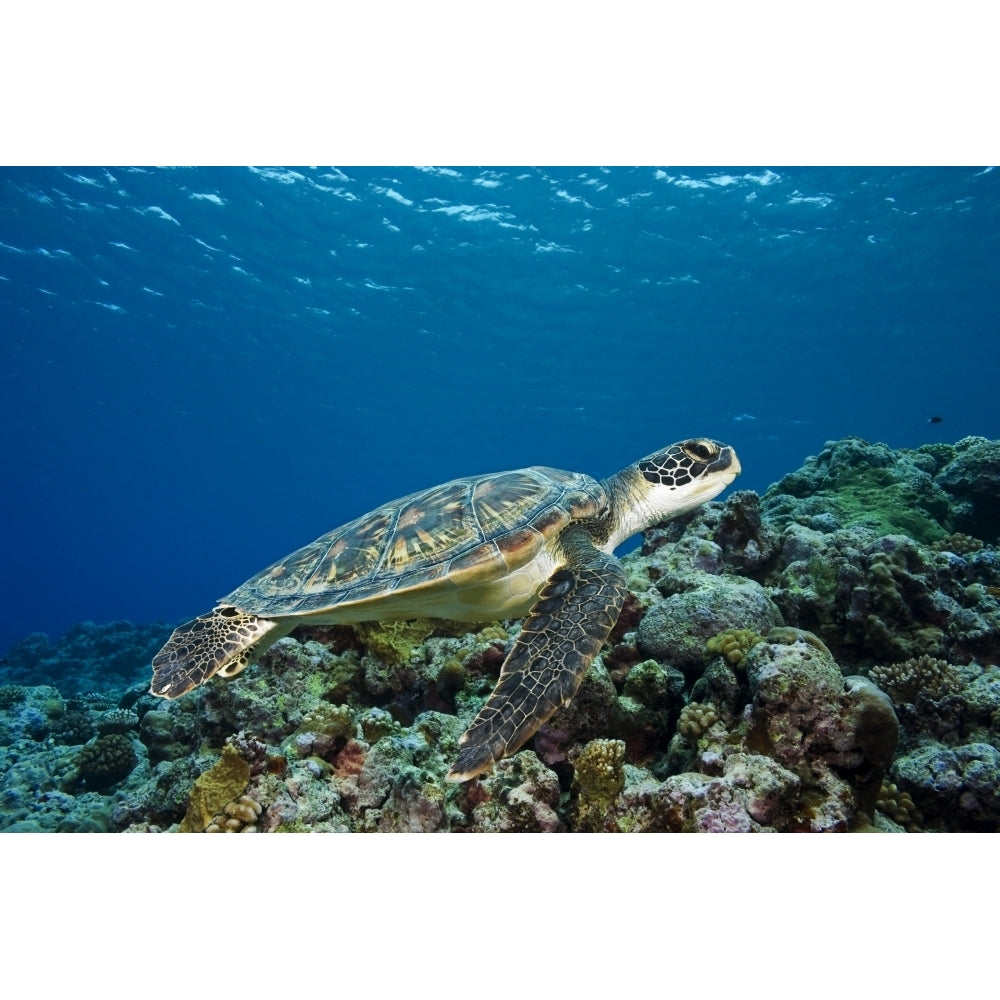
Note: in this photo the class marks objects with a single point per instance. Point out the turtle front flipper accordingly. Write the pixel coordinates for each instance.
(224, 641)
(562, 634)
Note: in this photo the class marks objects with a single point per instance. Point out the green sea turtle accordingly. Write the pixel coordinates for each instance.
(535, 542)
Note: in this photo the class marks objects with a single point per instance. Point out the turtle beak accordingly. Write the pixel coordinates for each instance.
(727, 465)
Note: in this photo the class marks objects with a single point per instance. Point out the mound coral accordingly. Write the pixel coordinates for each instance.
(696, 720)
(898, 806)
(238, 816)
(675, 630)
(733, 644)
(106, 760)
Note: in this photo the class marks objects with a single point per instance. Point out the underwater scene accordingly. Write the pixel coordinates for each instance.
(745, 577)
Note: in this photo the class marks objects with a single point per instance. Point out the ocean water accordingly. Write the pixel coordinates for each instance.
(206, 368)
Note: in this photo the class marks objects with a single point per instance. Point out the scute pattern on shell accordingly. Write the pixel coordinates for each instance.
(481, 526)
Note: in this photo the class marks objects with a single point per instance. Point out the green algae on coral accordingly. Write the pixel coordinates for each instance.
(394, 642)
(865, 485)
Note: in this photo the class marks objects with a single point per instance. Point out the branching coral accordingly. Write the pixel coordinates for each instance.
(920, 677)
(11, 694)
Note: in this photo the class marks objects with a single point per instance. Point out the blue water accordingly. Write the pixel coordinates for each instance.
(206, 368)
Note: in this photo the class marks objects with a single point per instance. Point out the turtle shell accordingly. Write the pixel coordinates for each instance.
(465, 533)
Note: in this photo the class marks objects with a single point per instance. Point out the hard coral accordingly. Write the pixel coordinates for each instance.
(394, 642)
(920, 677)
(958, 543)
(838, 734)
(72, 728)
(225, 781)
(107, 760)
(696, 720)
(733, 644)
(238, 816)
(117, 720)
(898, 806)
(598, 778)
(11, 694)
(676, 629)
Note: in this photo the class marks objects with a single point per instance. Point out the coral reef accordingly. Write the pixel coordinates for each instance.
(822, 658)
(88, 657)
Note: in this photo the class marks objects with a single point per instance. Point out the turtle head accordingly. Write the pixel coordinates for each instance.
(670, 482)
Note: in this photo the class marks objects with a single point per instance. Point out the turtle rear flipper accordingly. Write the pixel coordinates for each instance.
(564, 631)
(224, 641)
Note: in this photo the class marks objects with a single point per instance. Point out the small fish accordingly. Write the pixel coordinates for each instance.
(935, 420)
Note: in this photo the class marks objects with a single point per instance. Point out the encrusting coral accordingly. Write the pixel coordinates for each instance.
(224, 782)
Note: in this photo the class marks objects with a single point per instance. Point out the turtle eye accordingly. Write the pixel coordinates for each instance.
(700, 449)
